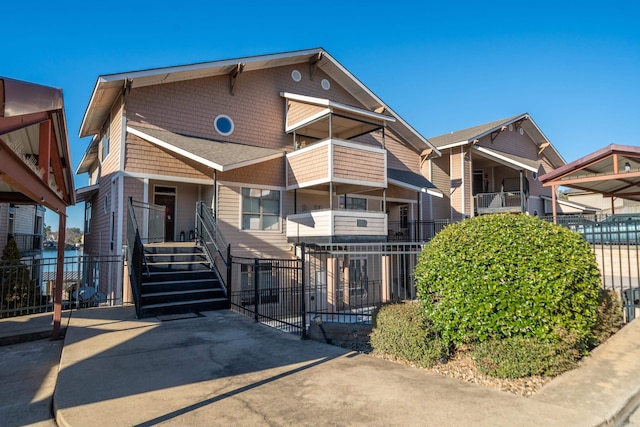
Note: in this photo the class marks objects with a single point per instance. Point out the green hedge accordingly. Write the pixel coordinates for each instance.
(402, 330)
(504, 276)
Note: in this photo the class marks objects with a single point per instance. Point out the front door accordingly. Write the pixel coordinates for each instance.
(169, 202)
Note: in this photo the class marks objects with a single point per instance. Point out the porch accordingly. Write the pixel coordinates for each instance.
(337, 226)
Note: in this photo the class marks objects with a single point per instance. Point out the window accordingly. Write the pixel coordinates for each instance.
(353, 204)
(87, 217)
(223, 125)
(105, 143)
(260, 209)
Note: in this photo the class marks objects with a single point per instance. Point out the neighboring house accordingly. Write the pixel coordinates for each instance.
(492, 168)
(284, 148)
(25, 224)
(602, 204)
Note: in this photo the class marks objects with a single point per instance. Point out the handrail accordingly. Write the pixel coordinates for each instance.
(135, 256)
(213, 242)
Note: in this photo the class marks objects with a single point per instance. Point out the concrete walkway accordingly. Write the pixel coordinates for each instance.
(222, 368)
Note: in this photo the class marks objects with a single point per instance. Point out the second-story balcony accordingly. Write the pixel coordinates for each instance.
(502, 202)
(339, 162)
(337, 226)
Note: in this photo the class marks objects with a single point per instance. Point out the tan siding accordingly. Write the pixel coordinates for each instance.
(309, 166)
(512, 142)
(257, 109)
(441, 207)
(298, 111)
(400, 155)
(251, 243)
(266, 173)
(359, 165)
(456, 178)
(347, 226)
(144, 157)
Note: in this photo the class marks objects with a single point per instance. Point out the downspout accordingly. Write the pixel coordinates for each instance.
(215, 195)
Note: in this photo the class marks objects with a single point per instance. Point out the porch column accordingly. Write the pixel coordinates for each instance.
(522, 207)
(57, 297)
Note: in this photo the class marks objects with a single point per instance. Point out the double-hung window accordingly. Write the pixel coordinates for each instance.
(260, 209)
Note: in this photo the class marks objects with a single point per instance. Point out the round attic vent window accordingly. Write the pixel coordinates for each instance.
(510, 127)
(223, 125)
(325, 84)
(521, 131)
(296, 75)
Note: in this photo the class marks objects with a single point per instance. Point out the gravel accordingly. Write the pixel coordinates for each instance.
(462, 367)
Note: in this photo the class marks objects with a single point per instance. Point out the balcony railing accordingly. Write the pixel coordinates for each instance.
(512, 201)
(326, 226)
(27, 242)
(337, 161)
(416, 231)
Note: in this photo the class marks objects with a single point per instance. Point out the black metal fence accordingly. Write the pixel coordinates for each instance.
(615, 240)
(28, 286)
(415, 231)
(270, 291)
(347, 283)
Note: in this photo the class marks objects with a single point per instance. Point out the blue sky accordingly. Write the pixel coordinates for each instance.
(443, 66)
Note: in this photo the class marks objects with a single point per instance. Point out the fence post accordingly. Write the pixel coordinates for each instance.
(303, 307)
(256, 284)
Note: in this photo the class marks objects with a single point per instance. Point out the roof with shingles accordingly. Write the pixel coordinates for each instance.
(472, 133)
(219, 155)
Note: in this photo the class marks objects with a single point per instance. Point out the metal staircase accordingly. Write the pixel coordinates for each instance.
(179, 279)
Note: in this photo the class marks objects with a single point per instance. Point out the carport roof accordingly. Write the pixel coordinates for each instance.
(613, 171)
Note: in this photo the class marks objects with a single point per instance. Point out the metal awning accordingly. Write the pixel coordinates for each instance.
(86, 193)
(613, 171)
(412, 181)
(222, 156)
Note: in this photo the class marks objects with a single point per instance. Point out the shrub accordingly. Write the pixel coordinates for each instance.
(402, 330)
(518, 357)
(610, 316)
(506, 276)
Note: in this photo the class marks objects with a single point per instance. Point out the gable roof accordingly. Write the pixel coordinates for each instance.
(36, 161)
(222, 156)
(469, 135)
(109, 87)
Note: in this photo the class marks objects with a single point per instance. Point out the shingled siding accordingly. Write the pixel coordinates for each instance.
(144, 157)
(256, 107)
(298, 111)
(358, 165)
(309, 166)
(266, 173)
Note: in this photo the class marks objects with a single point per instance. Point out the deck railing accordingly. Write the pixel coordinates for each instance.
(135, 255)
(216, 247)
(508, 201)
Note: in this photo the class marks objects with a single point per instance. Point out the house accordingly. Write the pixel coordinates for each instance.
(492, 168)
(284, 149)
(25, 224)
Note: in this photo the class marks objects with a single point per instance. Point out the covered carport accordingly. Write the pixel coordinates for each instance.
(35, 164)
(613, 171)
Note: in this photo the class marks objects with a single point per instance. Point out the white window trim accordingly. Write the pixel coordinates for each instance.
(240, 213)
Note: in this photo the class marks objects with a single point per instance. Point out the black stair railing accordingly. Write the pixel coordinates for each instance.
(135, 256)
(216, 248)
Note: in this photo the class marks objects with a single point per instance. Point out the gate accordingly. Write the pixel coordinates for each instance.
(271, 291)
